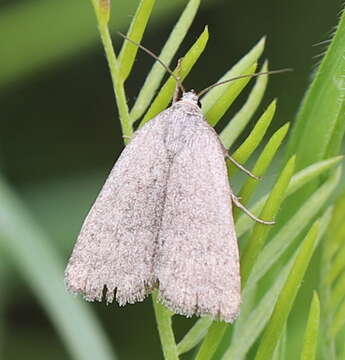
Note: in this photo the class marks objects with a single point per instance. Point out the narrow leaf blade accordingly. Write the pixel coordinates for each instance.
(232, 90)
(194, 335)
(262, 164)
(322, 106)
(165, 94)
(170, 48)
(298, 180)
(135, 33)
(339, 321)
(249, 327)
(238, 69)
(237, 124)
(281, 241)
(260, 231)
(287, 296)
(312, 330)
(255, 137)
(211, 341)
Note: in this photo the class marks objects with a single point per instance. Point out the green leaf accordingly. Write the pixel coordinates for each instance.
(261, 165)
(157, 72)
(238, 69)
(334, 146)
(194, 335)
(237, 124)
(231, 92)
(342, 354)
(287, 296)
(280, 351)
(243, 153)
(302, 177)
(319, 127)
(135, 33)
(334, 253)
(43, 271)
(260, 231)
(102, 10)
(248, 328)
(312, 330)
(311, 172)
(290, 230)
(322, 109)
(328, 341)
(165, 94)
(338, 293)
(336, 229)
(338, 265)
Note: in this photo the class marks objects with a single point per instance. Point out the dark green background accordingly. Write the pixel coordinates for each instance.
(60, 134)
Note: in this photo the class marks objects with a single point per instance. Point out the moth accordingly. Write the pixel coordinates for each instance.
(163, 220)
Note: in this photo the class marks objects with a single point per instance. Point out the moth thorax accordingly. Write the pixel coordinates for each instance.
(190, 97)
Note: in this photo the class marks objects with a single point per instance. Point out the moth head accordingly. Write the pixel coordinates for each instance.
(191, 97)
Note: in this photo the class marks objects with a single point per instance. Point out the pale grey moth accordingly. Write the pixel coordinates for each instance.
(163, 220)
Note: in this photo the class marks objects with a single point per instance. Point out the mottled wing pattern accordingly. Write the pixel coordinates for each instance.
(198, 261)
(115, 247)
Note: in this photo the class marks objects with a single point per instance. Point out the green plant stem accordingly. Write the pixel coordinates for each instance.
(166, 333)
(120, 96)
(102, 11)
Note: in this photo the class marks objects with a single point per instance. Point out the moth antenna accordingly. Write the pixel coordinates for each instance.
(202, 92)
(149, 52)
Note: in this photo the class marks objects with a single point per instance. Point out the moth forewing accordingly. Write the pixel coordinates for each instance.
(118, 239)
(198, 264)
(163, 219)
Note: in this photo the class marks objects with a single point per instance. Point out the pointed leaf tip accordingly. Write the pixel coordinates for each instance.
(102, 8)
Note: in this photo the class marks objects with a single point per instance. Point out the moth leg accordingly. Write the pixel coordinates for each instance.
(235, 200)
(177, 93)
(241, 167)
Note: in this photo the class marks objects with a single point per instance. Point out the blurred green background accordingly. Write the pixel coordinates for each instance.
(60, 135)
